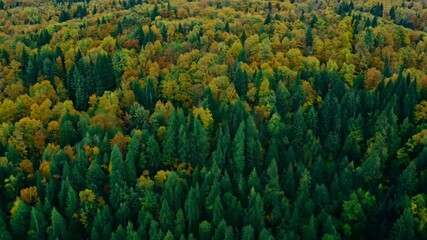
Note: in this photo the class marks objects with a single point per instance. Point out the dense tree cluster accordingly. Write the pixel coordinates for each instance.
(129, 119)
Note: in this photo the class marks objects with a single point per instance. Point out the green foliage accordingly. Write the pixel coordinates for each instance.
(203, 120)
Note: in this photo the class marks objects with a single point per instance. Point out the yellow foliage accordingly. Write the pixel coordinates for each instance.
(144, 181)
(29, 195)
(311, 93)
(4, 133)
(104, 121)
(96, 150)
(69, 151)
(42, 112)
(231, 94)
(419, 210)
(8, 111)
(109, 102)
(53, 130)
(15, 206)
(45, 169)
(373, 78)
(205, 116)
(421, 111)
(263, 111)
(161, 176)
(43, 91)
(161, 131)
(87, 196)
(26, 166)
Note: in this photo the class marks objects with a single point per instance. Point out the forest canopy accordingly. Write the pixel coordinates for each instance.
(212, 119)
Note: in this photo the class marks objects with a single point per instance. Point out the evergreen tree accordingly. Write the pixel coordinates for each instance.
(404, 227)
(199, 140)
(5, 235)
(131, 160)
(205, 229)
(255, 213)
(154, 13)
(31, 71)
(248, 233)
(117, 181)
(192, 208)
(239, 150)
(179, 223)
(19, 220)
(38, 224)
(102, 223)
(71, 203)
(267, 19)
(95, 177)
(153, 154)
(309, 37)
(165, 216)
(81, 90)
(58, 229)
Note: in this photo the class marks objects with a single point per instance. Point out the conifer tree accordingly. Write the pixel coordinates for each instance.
(19, 220)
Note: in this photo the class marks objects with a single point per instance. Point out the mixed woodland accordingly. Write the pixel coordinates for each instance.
(213, 119)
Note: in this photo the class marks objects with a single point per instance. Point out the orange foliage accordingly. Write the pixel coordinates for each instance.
(26, 166)
(45, 169)
(70, 151)
(373, 78)
(104, 121)
(121, 142)
(29, 195)
(39, 140)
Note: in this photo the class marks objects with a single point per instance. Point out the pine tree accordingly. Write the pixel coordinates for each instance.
(170, 141)
(154, 13)
(117, 181)
(58, 229)
(253, 148)
(38, 224)
(81, 90)
(166, 216)
(240, 80)
(31, 71)
(255, 212)
(309, 230)
(239, 149)
(19, 220)
(131, 160)
(392, 13)
(71, 203)
(153, 154)
(4, 234)
(404, 227)
(104, 75)
(95, 178)
(179, 223)
(205, 229)
(199, 140)
(192, 208)
(102, 223)
(173, 191)
(267, 19)
(309, 37)
(248, 233)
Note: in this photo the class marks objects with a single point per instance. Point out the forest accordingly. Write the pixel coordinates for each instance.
(213, 119)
